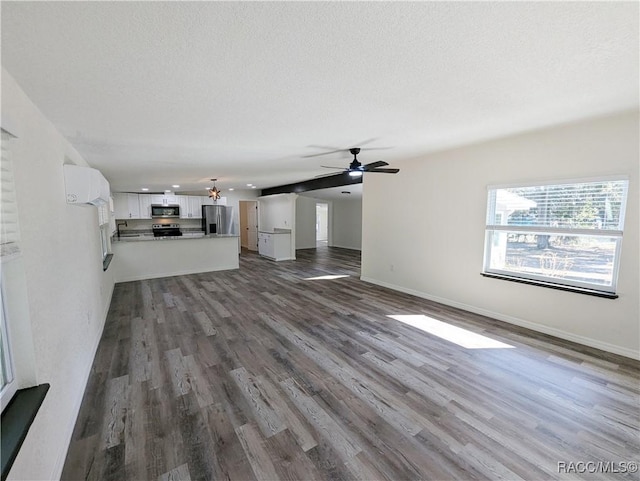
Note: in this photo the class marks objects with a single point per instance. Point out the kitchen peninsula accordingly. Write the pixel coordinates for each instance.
(146, 257)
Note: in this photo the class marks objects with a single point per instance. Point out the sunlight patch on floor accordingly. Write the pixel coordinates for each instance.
(322, 278)
(457, 335)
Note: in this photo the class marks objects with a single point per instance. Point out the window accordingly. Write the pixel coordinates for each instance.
(104, 218)
(566, 234)
(103, 223)
(9, 249)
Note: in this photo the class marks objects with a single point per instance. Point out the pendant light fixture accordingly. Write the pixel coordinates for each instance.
(214, 193)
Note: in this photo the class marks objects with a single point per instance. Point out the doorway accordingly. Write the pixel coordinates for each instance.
(322, 224)
(249, 224)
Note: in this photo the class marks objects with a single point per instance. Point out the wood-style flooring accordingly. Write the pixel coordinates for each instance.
(266, 373)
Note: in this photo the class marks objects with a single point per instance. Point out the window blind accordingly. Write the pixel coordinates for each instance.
(9, 229)
(591, 206)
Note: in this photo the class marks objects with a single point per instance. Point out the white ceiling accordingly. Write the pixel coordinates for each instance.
(155, 94)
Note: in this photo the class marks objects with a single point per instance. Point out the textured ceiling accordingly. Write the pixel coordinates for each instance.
(155, 94)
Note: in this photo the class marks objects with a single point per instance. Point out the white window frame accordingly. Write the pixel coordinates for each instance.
(9, 389)
(103, 225)
(543, 230)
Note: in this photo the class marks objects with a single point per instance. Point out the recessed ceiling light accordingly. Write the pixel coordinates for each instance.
(253, 187)
(167, 191)
(249, 185)
(145, 189)
(175, 186)
(231, 188)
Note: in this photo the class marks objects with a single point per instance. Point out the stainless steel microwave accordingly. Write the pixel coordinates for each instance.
(165, 211)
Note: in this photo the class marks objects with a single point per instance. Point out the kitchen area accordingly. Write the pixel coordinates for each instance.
(159, 235)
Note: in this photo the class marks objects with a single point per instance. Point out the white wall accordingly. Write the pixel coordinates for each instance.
(278, 212)
(305, 222)
(346, 222)
(67, 292)
(431, 242)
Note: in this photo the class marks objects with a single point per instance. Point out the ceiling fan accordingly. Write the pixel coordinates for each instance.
(356, 169)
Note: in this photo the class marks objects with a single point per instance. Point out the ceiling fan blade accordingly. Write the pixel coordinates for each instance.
(329, 167)
(376, 148)
(373, 165)
(384, 171)
(334, 150)
(324, 153)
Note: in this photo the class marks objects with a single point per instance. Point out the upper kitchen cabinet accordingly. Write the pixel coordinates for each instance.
(164, 199)
(183, 202)
(195, 206)
(190, 206)
(126, 206)
(145, 205)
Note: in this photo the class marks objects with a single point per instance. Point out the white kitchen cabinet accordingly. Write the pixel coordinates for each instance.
(183, 202)
(275, 245)
(190, 206)
(126, 206)
(206, 200)
(265, 244)
(164, 199)
(145, 205)
(195, 206)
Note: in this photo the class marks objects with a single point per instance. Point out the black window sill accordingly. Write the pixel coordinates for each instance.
(16, 419)
(106, 262)
(550, 285)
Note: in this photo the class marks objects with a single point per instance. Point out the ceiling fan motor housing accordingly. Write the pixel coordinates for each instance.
(355, 163)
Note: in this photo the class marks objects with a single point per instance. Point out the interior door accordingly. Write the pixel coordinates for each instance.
(249, 225)
(243, 224)
(252, 226)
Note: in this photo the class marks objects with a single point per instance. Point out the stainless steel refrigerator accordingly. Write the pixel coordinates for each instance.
(217, 219)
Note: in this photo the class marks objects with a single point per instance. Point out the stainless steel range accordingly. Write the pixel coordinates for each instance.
(166, 230)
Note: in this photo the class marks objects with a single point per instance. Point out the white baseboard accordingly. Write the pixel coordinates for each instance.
(552, 331)
(347, 247)
(59, 465)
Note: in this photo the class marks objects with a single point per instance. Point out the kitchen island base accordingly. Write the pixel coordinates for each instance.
(135, 261)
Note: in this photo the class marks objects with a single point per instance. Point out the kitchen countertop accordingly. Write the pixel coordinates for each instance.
(184, 236)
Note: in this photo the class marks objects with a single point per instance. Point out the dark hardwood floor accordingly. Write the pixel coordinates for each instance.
(262, 373)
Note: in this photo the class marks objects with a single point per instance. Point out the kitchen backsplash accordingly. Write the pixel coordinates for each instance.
(144, 225)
